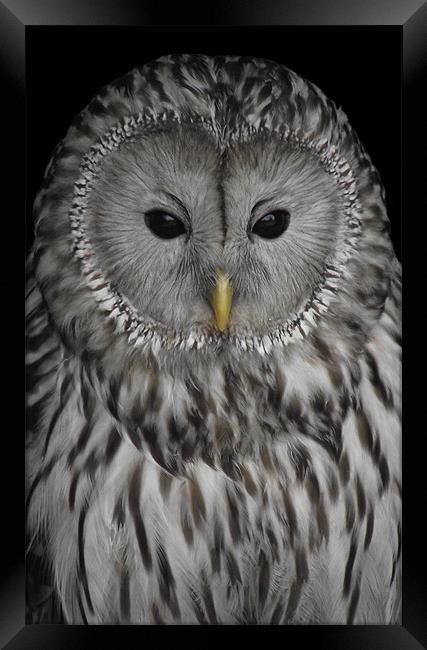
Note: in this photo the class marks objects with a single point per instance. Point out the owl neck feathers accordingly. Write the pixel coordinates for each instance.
(230, 406)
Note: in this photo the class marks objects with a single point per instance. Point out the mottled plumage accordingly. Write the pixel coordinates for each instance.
(181, 474)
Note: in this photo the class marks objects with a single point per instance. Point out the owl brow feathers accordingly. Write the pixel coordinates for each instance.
(142, 331)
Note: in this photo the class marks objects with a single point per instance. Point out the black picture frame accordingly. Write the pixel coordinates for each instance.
(16, 21)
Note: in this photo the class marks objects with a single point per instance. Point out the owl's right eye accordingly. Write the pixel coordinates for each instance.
(164, 225)
(272, 224)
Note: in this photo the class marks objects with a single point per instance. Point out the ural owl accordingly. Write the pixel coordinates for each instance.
(213, 320)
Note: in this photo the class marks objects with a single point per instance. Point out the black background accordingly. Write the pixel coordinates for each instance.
(359, 68)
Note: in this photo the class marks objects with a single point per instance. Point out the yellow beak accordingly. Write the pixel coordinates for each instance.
(221, 300)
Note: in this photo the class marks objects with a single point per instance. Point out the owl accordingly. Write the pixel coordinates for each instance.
(213, 359)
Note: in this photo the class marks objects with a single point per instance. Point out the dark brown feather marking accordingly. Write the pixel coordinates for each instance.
(263, 578)
(233, 569)
(349, 566)
(301, 570)
(209, 602)
(113, 444)
(124, 594)
(280, 388)
(197, 502)
(187, 450)
(133, 500)
(396, 558)
(216, 552)
(354, 600)
(350, 515)
(344, 402)
(312, 487)
(383, 393)
(113, 396)
(313, 538)
(333, 487)
(167, 581)
(119, 513)
(301, 565)
(153, 400)
(151, 435)
(294, 410)
(229, 466)
(364, 431)
(290, 516)
(355, 373)
(186, 527)
(194, 418)
(175, 431)
(361, 498)
(81, 443)
(398, 487)
(72, 490)
(384, 472)
(136, 414)
(322, 520)
(86, 430)
(399, 540)
(376, 451)
(233, 518)
(274, 546)
(300, 459)
(81, 557)
(344, 468)
(81, 608)
(393, 571)
(369, 528)
(91, 465)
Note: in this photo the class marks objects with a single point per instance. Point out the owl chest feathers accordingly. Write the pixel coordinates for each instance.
(265, 494)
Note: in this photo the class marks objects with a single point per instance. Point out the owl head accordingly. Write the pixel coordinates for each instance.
(202, 204)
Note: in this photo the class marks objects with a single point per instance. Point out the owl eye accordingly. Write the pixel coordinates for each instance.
(272, 224)
(164, 225)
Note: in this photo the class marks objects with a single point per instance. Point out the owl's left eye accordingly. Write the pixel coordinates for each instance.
(272, 224)
(163, 224)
